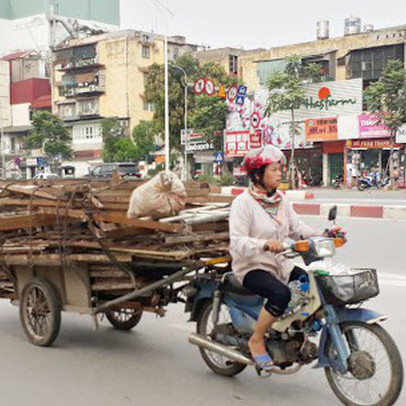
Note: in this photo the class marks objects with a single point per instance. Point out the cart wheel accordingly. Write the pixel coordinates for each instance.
(40, 312)
(124, 319)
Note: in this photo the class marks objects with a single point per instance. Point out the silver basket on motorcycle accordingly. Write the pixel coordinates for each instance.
(352, 288)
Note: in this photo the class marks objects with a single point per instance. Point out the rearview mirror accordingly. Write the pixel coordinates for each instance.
(332, 214)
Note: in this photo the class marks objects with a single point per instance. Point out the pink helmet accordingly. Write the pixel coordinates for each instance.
(263, 156)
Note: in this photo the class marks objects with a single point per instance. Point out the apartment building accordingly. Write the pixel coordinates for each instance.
(104, 76)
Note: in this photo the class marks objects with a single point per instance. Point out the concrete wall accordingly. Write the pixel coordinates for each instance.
(5, 110)
(342, 45)
(21, 114)
(125, 69)
(107, 11)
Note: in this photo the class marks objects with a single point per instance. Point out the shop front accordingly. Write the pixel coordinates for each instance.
(372, 156)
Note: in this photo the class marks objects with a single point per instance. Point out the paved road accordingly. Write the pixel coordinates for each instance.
(369, 197)
(154, 364)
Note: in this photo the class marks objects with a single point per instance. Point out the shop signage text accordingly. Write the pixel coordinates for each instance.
(321, 129)
(370, 127)
(370, 144)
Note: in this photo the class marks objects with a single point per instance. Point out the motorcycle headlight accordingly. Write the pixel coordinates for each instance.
(324, 247)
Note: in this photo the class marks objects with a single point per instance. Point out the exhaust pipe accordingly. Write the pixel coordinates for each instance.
(220, 349)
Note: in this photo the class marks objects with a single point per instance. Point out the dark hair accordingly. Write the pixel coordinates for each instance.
(256, 175)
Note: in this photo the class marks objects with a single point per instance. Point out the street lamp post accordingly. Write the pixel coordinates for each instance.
(186, 121)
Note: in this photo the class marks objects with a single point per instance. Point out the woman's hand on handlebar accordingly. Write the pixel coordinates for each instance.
(274, 246)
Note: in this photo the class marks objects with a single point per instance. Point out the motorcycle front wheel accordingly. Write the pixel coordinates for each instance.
(217, 363)
(362, 186)
(375, 375)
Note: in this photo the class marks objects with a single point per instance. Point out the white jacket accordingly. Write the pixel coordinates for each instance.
(251, 226)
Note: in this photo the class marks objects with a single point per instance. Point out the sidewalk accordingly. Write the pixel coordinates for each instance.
(306, 203)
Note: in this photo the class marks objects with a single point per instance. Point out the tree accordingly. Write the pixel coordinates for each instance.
(119, 148)
(387, 99)
(287, 92)
(205, 114)
(51, 135)
(143, 137)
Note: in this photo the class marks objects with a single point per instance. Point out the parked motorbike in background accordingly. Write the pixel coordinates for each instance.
(372, 180)
(337, 182)
(361, 361)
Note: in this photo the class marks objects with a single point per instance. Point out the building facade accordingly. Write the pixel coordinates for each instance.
(332, 142)
(29, 21)
(104, 76)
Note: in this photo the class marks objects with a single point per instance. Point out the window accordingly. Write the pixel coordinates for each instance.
(149, 106)
(67, 110)
(145, 79)
(234, 64)
(87, 133)
(13, 145)
(370, 63)
(145, 51)
(88, 107)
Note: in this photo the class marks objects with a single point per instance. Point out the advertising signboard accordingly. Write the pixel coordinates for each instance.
(369, 127)
(321, 129)
(236, 143)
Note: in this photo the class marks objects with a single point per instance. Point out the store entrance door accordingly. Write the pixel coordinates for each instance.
(335, 163)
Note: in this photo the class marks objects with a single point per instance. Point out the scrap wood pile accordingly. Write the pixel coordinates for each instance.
(57, 222)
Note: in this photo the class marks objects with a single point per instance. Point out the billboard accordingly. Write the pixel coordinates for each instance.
(323, 100)
(321, 129)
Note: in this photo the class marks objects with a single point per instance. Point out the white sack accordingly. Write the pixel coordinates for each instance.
(163, 196)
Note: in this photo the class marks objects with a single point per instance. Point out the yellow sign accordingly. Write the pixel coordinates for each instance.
(222, 92)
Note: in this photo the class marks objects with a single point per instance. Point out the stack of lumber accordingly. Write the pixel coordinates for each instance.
(57, 222)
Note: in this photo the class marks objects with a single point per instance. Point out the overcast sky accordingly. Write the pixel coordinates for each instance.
(256, 23)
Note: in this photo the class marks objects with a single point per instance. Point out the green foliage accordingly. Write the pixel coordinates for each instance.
(118, 148)
(153, 172)
(226, 179)
(143, 137)
(287, 92)
(51, 135)
(387, 97)
(205, 114)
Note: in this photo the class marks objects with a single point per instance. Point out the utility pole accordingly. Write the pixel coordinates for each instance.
(167, 148)
(186, 120)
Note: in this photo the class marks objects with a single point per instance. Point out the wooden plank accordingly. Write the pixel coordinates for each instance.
(55, 259)
(108, 274)
(32, 192)
(26, 221)
(108, 286)
(210, 199)
(63, 213)
(148, 224)
(28, 202)
(195, 238)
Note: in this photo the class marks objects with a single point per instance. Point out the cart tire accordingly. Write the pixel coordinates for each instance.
(124, 319)
(40, 312)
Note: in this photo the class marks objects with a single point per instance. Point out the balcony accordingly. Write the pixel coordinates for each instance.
(77, 90)
(79, 65)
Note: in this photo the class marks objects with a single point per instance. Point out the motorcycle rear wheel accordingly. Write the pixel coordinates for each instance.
(365, 369)
(217, 363)
(362, 186)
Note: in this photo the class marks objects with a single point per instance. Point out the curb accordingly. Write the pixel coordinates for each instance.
(349, 210)
(292, 195)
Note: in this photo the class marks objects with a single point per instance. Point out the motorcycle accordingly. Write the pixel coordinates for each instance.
(352, 348)
(370, 181)
(337, 182)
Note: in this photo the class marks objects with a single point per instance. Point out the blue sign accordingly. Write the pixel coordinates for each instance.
(42, 162)
(240, 100)
(242, 90)
(219, 156)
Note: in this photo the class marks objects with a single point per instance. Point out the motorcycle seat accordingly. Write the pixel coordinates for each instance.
(231, 284)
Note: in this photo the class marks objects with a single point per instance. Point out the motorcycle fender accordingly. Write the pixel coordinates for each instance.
(204, 293)
(361, 315)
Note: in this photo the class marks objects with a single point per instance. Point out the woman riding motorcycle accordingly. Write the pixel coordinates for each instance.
(260, 220)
